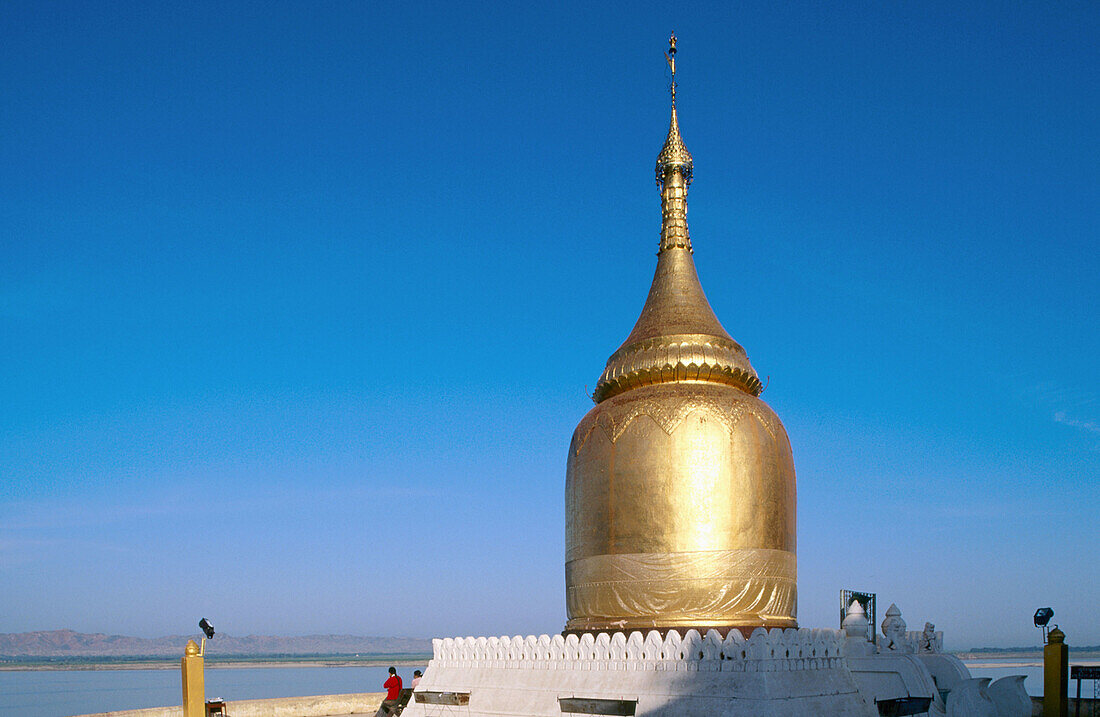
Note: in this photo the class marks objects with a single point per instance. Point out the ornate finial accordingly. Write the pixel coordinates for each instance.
(670, 57)
(855, 621)
(674, 154)
(673, 172)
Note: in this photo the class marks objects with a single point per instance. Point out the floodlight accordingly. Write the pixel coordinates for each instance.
(1042, 620)
(208, 629)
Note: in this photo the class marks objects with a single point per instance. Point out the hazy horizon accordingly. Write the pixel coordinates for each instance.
(300, 304)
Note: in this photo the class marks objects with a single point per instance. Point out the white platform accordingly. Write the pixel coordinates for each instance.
(781, 673)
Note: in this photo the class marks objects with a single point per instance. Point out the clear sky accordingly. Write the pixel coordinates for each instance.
(299, 302)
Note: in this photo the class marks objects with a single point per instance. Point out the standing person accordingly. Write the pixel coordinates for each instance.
(417, 674)
(393, 694)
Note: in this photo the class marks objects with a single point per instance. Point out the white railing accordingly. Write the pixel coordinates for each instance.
(772, 650)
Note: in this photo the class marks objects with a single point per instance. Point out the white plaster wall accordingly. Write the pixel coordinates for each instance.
(781, 673)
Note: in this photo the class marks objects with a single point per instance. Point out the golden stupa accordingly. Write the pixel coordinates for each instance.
(680, 486)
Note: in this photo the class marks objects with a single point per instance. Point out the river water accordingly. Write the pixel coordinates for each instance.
(60, 693)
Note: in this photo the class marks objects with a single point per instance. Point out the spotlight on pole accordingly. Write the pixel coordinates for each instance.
(208, 631)
(1042, 618)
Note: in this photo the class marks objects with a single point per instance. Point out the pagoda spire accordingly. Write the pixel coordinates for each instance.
(673, 171)
(677, 337)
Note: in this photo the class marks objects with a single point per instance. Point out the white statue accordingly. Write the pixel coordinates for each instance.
(893, 628)
(927, 640)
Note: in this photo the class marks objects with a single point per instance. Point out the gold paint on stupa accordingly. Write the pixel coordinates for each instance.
(680, 486)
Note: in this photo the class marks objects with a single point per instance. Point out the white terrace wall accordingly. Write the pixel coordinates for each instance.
(777, 672)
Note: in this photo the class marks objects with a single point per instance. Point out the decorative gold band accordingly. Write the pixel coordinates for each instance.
(750, 586)
(676, 358)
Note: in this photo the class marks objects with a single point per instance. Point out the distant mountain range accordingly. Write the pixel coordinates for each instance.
(67, 643)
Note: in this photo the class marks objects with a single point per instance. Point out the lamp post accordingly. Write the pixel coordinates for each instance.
(194, 687)
(1055, 666)
(1056, 675)
(192, 673)
(1042, 617)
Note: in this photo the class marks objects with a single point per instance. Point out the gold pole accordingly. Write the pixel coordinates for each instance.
(1056, 675)
(194, 688)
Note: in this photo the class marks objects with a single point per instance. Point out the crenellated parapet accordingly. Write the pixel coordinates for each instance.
(775, 650)
(776, 672)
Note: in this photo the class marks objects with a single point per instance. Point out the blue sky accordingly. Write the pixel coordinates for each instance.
(299, 302)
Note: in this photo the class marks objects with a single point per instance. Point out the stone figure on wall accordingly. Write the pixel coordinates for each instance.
(927, 641)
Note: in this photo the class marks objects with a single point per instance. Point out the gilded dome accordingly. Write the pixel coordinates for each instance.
(680, 512)
(680, 484)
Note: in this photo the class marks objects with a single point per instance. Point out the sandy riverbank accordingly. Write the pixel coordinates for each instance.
(1017, 662)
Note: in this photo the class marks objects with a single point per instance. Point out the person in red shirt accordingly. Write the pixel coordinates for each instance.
(393, 694)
